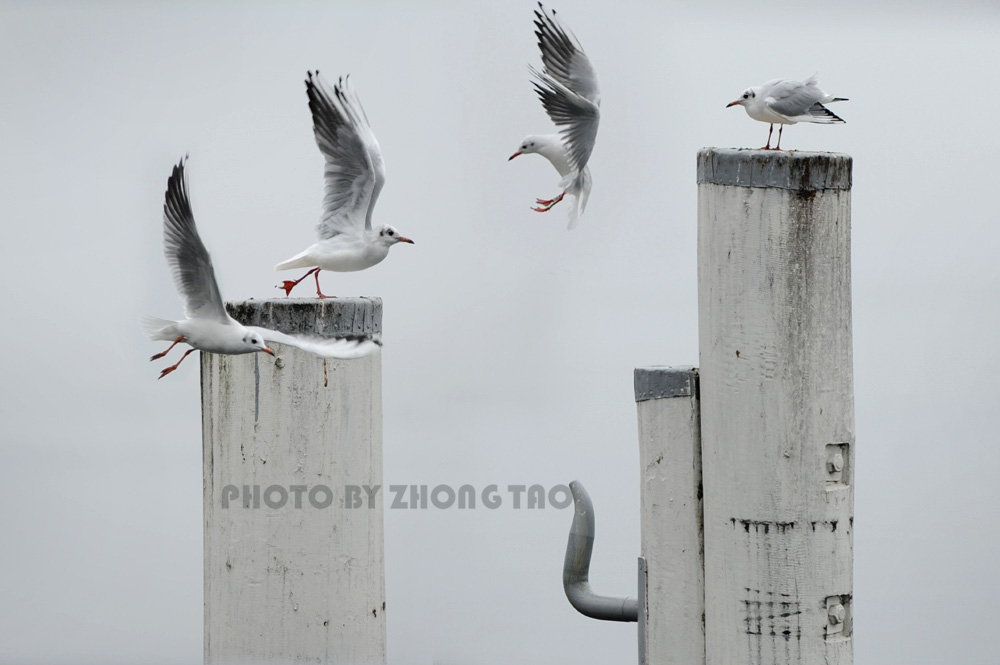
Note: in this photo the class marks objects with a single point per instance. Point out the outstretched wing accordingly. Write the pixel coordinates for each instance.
(189, 261)
(567, 86)
(576, 116)
(355, 171)
(345, 348)
(563, 58)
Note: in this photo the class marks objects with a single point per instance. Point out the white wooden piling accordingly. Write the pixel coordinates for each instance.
(670, 488)
(293, 571)
(777, 405)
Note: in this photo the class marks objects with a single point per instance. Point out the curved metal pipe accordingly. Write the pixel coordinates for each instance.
(576, 567)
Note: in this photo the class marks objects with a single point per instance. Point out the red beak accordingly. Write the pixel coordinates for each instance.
(513, 156)
(402, 239)
(733, 103)
(267, 350)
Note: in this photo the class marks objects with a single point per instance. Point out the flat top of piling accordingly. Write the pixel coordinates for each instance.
(329, 317)
(782, 169)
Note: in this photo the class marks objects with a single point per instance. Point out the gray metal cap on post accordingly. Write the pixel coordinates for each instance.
(660, 382)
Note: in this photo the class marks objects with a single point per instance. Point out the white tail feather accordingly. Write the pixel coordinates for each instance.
(157, 329)
(297, 261)
(574, 212)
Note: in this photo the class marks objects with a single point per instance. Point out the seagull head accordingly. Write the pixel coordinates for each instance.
(529, 145)
(256, 342)
(389, 236)
(747, 98)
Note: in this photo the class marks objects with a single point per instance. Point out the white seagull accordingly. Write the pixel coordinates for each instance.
(567, 87)
(208, 327)
(355, 173)
(786, 103)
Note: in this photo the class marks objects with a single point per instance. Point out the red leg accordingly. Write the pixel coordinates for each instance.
(546, 205)
(176, 342)
(288, 285)
(174, 366)
(769, 132)
(781, 128)
(319, 293)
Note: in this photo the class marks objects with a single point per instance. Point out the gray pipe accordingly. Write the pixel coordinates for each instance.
(576, 568)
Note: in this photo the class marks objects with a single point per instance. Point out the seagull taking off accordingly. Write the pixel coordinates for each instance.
(567, 87)
(355, 173)
(786, 103)
(207, 326)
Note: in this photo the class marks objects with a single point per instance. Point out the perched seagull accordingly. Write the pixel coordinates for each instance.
(567, 87)
(207, 327)
(355, 173)
(786, 103)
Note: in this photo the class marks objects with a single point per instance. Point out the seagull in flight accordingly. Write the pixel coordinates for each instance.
(207, 326)
(786, 103)
(354, 174)
(567, 88)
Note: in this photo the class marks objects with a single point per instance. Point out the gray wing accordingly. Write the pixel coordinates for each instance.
(577, 116)
(792, 98)
(355, 171)
(563, 58)
(567, 86)
(345, 348)
(189, 261)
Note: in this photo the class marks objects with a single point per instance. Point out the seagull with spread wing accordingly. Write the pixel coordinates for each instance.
(786, 103)
(567, 88)
(355, 173)
(207, 326)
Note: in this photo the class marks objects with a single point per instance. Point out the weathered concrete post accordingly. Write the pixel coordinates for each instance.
(777, 405)
(670, 487)
(294, 566)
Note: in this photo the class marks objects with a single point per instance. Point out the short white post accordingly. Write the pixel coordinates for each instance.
(670, 487)
(777, 405)
(294, 566)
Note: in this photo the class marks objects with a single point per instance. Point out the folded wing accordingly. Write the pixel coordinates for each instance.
(792, 98)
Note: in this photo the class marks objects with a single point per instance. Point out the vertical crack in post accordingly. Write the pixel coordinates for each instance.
(256, 388)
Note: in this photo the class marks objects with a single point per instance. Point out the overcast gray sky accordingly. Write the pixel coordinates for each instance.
(509, 342)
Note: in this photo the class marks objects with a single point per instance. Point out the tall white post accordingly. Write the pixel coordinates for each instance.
(673, 613)
(294, 566)
(777, 405)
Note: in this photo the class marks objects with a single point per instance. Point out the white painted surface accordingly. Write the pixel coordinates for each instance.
(293, 584)
(776, 391)
(670, 463)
